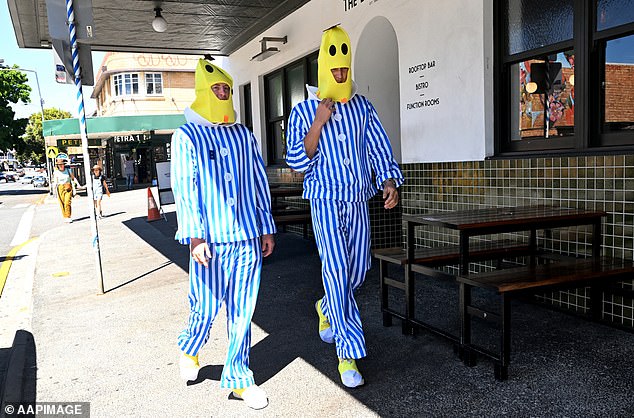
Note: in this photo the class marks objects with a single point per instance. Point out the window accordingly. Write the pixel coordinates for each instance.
(126, 84)
(153, 84)
(565, 75)
(247, 108)
(285, 88)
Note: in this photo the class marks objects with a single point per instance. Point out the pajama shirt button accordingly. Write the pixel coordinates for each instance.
(228, 177)
(230, 201)
(346, 161)
(337, 117)
(224, 152)
(341, 137)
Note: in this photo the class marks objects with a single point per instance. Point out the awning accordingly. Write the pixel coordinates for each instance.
(108, 126)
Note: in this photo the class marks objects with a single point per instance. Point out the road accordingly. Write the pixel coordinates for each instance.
(18, 204)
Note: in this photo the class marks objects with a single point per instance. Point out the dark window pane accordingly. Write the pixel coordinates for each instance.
(276, 102)
(538, 81)
(535, 23)
(279, 142)
(611, 13)
(619, 84)
(312, 71)
(295, 80)
(247, 118)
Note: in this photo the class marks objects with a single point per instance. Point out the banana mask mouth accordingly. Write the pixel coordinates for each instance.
(340, 74)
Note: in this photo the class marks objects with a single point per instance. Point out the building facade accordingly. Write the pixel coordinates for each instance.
(487, 103)
(141, 85)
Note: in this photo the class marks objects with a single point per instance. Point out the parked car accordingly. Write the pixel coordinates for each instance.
(7, 177)
(27, 179)
(40, 181)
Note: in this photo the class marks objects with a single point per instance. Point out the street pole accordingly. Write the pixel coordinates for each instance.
(39, 92)
(48, 167)
(70, 13)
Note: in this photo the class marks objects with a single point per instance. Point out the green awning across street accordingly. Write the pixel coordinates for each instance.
(107, 126)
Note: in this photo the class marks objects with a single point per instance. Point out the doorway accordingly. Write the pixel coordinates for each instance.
(376, 72)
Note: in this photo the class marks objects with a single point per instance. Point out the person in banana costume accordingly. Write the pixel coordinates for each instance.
(223, 207)
(336, 139)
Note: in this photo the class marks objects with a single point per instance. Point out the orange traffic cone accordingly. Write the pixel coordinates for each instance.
(152, 210)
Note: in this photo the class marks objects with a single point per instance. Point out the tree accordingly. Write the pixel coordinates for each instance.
(13, 89)
(31, 148)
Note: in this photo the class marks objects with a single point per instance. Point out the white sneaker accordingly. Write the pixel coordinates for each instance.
(254, 396)
(189, 367)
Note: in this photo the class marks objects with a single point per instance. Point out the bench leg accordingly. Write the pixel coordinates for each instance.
(410, 296)
(501, 368)
(387, 318)
(467, 356)
(596, 302)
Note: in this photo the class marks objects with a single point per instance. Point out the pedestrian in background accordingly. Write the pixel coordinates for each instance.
(64, 180)
(98, 186)
(128, 170)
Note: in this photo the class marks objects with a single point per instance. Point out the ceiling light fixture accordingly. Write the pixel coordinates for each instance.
(159, 24)
(265, 51)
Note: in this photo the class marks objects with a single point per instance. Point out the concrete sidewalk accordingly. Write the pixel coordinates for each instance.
(118, 350)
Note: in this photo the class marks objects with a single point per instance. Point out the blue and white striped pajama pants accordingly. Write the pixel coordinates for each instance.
(233, 277)
(342, 233)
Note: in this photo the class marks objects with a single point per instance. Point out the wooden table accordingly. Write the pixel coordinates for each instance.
(485, 222)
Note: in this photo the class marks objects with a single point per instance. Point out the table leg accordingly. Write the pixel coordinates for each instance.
(597, 238)
(410, 293)
(532, 245)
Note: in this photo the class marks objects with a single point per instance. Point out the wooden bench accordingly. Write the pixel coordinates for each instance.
(293, 217)
(572, 273)
(424, 262)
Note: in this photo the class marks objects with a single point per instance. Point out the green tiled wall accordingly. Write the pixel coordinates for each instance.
(591, 182)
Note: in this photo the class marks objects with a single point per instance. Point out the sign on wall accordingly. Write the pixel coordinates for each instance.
(421, 85)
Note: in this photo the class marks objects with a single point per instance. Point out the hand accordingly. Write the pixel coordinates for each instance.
(390, 194)
(325, 109)
(200, 251)
(268, 243)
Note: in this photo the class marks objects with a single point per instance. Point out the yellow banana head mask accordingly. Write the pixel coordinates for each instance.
(334, 52)
(206, 103)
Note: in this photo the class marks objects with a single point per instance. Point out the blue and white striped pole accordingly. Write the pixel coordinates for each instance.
(70, 13)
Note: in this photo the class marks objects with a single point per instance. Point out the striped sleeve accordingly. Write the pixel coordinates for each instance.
(263, 194)
(298, 126)
(183, 176)
(381, 156)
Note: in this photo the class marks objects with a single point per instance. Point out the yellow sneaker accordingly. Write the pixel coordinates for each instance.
(325, 331)
(254, 396)
(350, 375)
(189, 367)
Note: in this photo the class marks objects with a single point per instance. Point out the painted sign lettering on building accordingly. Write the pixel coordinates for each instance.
(121, 139)
(351, 4)
(421, 76)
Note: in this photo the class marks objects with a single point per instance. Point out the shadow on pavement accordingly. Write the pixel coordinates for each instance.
(557, 359)
(139, 277)
(18, 371)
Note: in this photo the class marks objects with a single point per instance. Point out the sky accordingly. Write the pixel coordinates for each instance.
(61, 96)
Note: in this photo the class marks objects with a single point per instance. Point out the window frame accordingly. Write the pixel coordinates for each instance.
(122, 76)
(586, 45)
(270, 121)
(153, 74)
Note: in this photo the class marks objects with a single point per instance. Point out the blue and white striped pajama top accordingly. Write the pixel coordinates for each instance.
(353, 159)
(222, 196)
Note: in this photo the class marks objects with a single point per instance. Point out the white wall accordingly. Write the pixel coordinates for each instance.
(449, 122)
